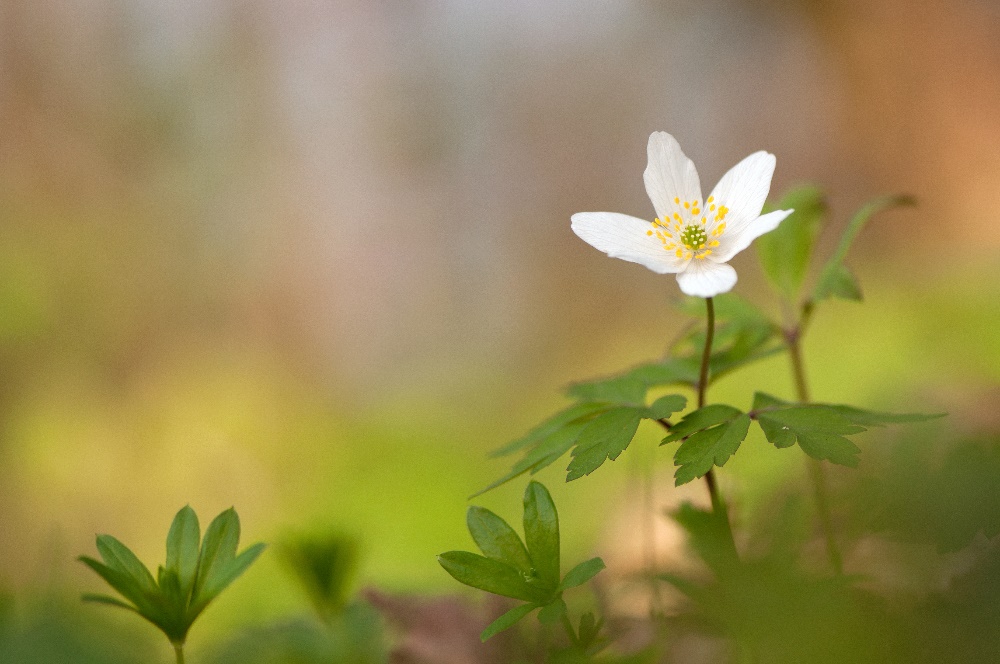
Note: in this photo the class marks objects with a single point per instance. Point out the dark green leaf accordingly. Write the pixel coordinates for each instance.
(182, 547)
(605, 437)
(146, 603)
(105, 599)
(582, 573)
(492, 576)
(507, 620)
(784, 252)
(833, 279)
(118, 556)
(550, 426)
(666, 406)
(225, 575)
(702, 419)
(541, 532)
(708, 447)
(709, 535)
(496, 539)
(819, 431)
(552, 612)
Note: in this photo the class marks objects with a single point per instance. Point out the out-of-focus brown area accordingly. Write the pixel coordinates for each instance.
(230, 230)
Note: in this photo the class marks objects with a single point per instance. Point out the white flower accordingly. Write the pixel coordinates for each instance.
(691, 237)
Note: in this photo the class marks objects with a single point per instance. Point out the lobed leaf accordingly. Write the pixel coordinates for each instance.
(708, 447)
(507, 620)
(627, 389)
(541, 532)
(702, 419)
(605, 437)
(551, 426)
(546, 451)
(666, 406)
(496, 539)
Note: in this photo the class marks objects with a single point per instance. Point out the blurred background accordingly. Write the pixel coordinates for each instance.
(313, 259)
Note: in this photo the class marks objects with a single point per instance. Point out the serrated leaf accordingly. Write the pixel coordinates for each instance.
(550, 426)
(118, 556)
(496, 539)
(552, 612)
(492, 576)
(507, 620)
(666, 406)
(582, 573)
(541, 532)
(183, 540)
(818, 429)
(546, 452)
(605, 437)
(702, 419)
(708, 447)
(784, 252)
(834, 279)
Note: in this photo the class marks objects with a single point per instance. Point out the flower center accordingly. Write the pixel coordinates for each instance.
(694, 237)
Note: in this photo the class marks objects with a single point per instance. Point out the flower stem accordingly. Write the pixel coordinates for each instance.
(179, 651)
(793, 339)
(718, 505)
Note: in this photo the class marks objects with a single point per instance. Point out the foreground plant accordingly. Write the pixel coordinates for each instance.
(694, 239)
(196, 572)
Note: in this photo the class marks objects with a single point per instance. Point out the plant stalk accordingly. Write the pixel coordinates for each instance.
(718, 505)
(179, 651)
(793, 339)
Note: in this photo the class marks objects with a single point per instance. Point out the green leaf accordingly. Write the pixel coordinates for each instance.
(702, 419)
(226, 574)
(507, 620)
(784, 252)
(496, 539)
(590, 627)
(818, 429)
(182, 548)
(834, 279)
(626, 390)
(605, 437)
(145, 603)
(582, 573)
(666, 406)
(541, 532)
(546, 451)
(869, 418)
(218, 549)
(105, 599)
(118, 556)
(552, 612)
(492, 576)
(550, 426)
(708, 447)
(709, 535)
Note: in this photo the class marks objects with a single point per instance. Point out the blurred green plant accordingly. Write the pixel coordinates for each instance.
(196, 572)
(527, 570)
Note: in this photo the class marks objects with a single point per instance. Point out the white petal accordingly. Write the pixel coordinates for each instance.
(624, 237)
(734, 241)
(744, 189)
(669, 174)
(703, 278)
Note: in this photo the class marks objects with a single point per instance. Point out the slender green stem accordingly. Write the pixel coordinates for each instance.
(718, 505)
(816, 470)
(179, 651)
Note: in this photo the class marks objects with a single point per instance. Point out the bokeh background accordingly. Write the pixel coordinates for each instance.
(313, 259)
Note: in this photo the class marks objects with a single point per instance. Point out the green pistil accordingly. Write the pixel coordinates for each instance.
(694, 236)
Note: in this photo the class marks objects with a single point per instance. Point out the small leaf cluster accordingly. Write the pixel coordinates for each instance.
(527, 570)
(196, 572)
(710, 435)
(785, 253)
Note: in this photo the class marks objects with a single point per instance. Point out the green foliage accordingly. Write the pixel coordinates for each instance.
(820, 429)
(527, 570)
(191, 579)
(785, 252)
(835, 280)
(325, 566)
